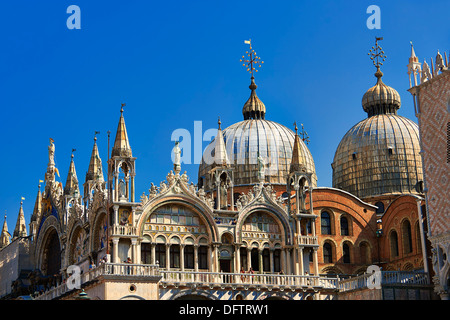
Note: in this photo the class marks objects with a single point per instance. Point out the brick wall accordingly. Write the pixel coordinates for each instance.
(434, 116)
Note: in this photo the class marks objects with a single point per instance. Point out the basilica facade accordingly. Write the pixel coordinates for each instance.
(254, 225)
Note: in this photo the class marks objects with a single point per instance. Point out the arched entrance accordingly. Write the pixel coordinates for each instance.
(51, 254)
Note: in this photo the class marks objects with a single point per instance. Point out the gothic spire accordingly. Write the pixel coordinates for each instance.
(71, 186)
(21, 227)
(95, 171)
(220, 152)
(4, 237)
(121, 144)
(296, 161)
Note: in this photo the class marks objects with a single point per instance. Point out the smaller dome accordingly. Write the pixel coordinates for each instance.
(381, 99)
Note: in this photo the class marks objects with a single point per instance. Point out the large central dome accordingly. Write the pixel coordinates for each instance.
(272, 141)
(253, 137)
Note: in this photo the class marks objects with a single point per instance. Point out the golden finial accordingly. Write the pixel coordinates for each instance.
(295, 127)
(253, 61)
(376, 54)
(121, 108)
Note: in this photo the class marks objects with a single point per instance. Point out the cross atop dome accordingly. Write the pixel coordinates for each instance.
(377, 56)
(254, 108)
(253, 60)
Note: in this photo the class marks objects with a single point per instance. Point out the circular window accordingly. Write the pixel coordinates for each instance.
(132, 288)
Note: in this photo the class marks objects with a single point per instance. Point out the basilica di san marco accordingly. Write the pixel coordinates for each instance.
(255, 226)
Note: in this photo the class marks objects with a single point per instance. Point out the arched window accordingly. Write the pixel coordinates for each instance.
(174, 256)
(160, 254)
(406, 237)
(146, 253)
(393, 239)
(189, 257)
(418, 239)
(346, 253)
(203, 257)
(277, 260)
(327, 253)
(344, 226)
(325, 223)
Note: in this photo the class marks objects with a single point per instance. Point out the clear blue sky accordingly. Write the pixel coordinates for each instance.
(177, 62)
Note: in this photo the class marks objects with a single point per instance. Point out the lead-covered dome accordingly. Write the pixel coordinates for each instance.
(274, 143)
(253, 137)
(379, 155)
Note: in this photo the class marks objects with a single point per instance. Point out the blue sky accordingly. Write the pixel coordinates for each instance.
(177, 62)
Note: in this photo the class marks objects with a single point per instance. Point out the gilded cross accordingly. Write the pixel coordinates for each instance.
(253, 60)
(376, 54)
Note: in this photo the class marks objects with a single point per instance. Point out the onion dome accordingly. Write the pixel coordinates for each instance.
(379, 155)
(381, 99)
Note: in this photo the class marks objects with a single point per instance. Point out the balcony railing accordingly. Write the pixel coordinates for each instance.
(220, 279)
(105, 270)
(123, 230)
(308, 240)
(387, 277)
(233, 280)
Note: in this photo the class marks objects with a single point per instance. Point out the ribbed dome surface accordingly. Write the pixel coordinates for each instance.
(379, 155)
(273, 141)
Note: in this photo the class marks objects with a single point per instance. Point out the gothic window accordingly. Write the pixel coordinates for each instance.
(325, 222)
(344, 226)
(327, 253)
